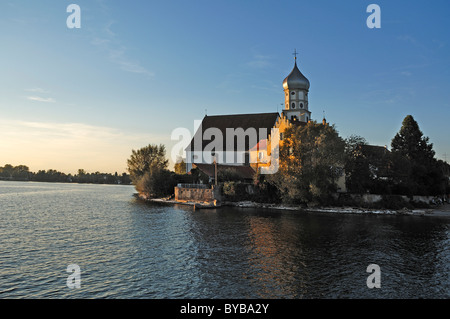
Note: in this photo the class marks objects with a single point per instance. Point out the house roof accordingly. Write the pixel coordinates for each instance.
(247, 122)
(245, 172)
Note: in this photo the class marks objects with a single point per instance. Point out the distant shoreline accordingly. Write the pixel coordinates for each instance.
(59, 182)
(441, 211)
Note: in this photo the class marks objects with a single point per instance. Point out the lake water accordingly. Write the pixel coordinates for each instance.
(129, 249)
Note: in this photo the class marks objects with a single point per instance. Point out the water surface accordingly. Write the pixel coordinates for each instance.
(129, 249)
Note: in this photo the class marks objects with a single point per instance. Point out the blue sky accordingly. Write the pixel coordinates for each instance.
(136, 70)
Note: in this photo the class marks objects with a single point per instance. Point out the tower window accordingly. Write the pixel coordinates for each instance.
(293, 105)
(301, 105)
(292, 93)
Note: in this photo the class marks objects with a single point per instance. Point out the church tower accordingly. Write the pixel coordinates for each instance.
(296, 88)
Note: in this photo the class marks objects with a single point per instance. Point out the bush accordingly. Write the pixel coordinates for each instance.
(235, 191)
(394, 202)
(266, 193)
(157, 183)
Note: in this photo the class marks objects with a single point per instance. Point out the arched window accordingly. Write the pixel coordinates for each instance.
(301, 105)
(293, 105)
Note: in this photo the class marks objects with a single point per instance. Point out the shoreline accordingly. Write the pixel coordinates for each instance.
(441, 211)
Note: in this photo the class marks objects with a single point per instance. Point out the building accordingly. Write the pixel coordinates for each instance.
(245, 139)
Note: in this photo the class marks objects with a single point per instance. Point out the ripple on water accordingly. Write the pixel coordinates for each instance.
(127, 249)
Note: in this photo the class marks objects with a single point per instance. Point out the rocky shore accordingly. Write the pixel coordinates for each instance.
(344, 210)
(440, 211)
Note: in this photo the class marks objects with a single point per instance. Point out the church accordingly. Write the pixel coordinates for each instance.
(245, 140)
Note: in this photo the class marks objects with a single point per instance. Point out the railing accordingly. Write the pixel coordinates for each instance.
(203, 186)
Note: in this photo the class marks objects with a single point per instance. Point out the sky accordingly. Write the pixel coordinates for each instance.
(135, 71)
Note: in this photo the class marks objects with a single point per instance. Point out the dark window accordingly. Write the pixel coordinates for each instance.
(293, 105)
(301, 105)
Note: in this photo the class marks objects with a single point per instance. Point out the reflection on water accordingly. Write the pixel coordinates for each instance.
(128, 249)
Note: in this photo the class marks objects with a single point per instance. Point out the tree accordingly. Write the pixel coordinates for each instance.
(410, 143)
(156, 182)
(352, 143)
(7, 171)
(415, 170)
(357, 170)
(149, 173)
(311, 161)
(366, 166)
(180, 166)
(141, 160)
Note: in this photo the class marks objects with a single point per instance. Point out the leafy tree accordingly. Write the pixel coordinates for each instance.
(141, 160)
(311, 161)
(366, 166)
(7, 171)
(357, 170)
(148, 171)
(352, 143)
(180, 166)
(156, 182)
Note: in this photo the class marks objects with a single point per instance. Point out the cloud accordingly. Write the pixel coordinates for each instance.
(119, 57)
(37, 90)
(41, 99)
(107, 40)
(259, 61)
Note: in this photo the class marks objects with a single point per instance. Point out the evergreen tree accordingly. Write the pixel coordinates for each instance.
(410, 142)
(414, 168)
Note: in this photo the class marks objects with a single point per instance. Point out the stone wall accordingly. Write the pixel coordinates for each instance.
(194, 194)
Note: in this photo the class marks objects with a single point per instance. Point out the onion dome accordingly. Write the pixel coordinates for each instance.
(296, 80)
